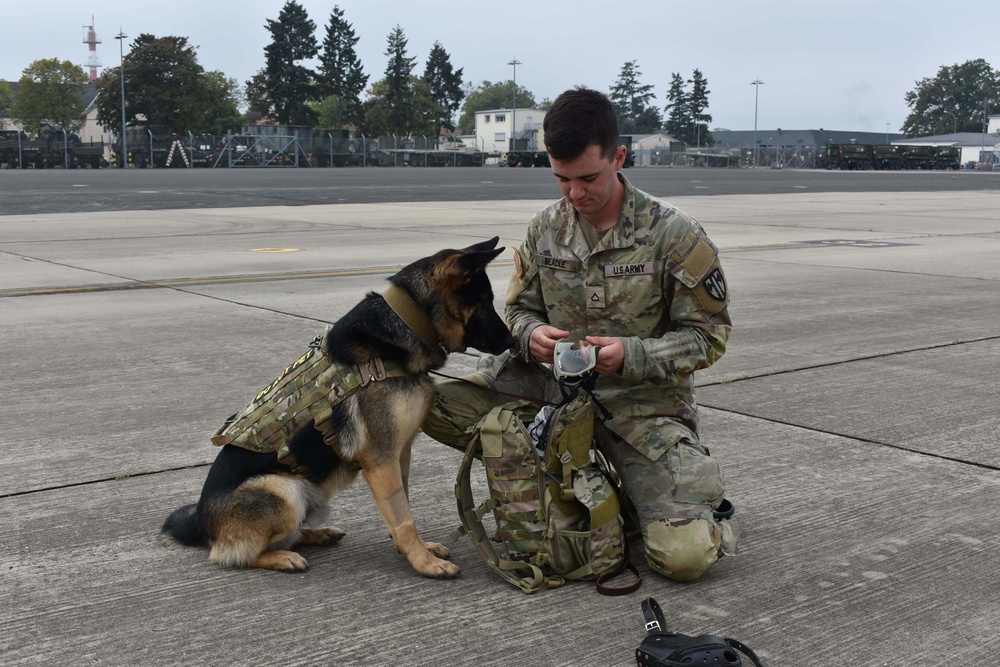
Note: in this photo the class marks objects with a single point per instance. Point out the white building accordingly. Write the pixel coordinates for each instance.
(974, 145)
(495, 127)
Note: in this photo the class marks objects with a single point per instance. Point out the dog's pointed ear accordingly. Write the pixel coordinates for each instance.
(485, 245)
(477, 256)
(481, 254)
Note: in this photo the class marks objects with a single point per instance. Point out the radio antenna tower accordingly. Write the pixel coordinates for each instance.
(90, 39)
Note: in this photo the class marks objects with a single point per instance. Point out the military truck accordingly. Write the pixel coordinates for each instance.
(947, 157)
(520, 156)
(887, 156)
(847, 156)
(51, 147)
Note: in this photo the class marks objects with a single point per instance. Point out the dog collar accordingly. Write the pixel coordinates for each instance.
(407, 309)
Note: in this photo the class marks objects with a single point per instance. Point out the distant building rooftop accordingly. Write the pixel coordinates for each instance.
(804, 138)
(954, 139)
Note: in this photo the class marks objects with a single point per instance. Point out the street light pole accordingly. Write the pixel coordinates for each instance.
(757, 83)
(121, 37)
(887, 134)
(954, 121)
(513, 106)
(985, 123)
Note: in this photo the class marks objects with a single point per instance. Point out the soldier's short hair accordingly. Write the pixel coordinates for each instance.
(578, 119)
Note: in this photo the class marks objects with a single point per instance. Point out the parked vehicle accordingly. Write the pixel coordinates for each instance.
(51, 147)
(859, 157)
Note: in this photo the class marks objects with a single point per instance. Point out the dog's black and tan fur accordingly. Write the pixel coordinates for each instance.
(252, 509)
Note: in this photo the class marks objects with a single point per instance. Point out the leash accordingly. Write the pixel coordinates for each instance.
(520, 397)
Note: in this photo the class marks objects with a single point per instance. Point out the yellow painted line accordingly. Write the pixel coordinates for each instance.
(273, 250)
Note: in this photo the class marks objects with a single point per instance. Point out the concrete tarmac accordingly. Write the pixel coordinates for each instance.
(855, 415)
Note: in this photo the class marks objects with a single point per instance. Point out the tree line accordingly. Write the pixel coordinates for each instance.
(166, 85)
(686, 118)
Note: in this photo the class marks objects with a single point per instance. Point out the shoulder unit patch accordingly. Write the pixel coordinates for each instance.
(715, 285)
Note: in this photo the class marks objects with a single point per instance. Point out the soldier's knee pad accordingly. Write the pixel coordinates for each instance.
(681, 549)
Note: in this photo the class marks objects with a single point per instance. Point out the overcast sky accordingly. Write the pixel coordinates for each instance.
(833, 64)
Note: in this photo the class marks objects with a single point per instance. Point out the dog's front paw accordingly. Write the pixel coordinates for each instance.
(435, 568)
(321, 536)
(439, 550)
(427, 564)
(281, 561)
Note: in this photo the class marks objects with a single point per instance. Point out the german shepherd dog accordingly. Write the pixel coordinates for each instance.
(253, 508)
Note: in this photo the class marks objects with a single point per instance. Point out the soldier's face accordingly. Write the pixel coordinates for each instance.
(590, 182)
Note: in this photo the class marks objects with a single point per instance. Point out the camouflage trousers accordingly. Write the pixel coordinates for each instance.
(672, 498)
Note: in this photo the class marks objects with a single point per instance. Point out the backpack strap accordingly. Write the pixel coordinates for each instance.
(602, 581)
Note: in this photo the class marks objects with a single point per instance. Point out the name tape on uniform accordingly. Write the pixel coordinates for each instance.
(556, 263)
(640, 269)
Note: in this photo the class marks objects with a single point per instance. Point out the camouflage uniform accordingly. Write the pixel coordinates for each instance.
(655, 281)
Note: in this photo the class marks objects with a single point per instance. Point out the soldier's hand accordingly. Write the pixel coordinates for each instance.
(611, 358)
(542, 343)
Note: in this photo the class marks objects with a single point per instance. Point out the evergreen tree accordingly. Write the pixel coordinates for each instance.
(953, 100)
(340, 71)
(697, 103)
(50, 92)
(426, 113)
(290, 85)
(444, 88)
(677, 124)
(632, 102)
(399, 93)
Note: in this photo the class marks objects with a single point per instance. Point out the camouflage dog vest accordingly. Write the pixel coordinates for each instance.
(305, 392)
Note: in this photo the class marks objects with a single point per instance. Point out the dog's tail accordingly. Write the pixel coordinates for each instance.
(183, 526)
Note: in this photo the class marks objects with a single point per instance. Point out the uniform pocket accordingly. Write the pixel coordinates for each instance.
(696, 475)
(635, 304)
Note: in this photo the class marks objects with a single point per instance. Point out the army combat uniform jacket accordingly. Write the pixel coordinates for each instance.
(654, 280)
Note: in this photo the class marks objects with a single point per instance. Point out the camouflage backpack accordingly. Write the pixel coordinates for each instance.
(557, 512)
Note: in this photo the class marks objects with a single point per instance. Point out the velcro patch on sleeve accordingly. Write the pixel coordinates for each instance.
(693, 268)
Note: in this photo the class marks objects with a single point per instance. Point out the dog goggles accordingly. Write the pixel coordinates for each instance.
(571, 363)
